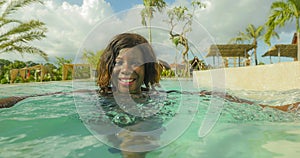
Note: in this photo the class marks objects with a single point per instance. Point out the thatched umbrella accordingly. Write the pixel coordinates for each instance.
(230, 50)
(164, 64)
(282, 50)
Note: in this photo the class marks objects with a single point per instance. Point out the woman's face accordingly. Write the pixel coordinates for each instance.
(129, 71)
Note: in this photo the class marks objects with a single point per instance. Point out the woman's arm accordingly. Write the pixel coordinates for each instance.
(287, 108)
(11, 101)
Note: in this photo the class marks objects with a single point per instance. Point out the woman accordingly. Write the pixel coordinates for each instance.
(128, 72)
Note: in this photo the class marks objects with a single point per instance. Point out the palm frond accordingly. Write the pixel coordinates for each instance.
(259, 31)
(281, 13)
(296, 3)
(25, 49)
(2, 2)
(268, 35)
(4, 22)
(25, 27)
(250, 30)
(144, 15)
(278, 4)
(236, 40)
(295, 10)
(25, 38)
(14, 5)
(245, 36)
(15, 35)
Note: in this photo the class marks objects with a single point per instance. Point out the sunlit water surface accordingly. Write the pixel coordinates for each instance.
(50, 126)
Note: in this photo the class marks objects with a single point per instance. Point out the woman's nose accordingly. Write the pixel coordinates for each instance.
(126, 69)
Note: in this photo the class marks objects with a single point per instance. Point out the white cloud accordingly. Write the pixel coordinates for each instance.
(69, 24)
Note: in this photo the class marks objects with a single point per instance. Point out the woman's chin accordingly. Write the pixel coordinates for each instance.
(124, 90)
(128, 91)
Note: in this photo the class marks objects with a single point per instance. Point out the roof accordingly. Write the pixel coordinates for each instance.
(230, 50)
(164, 64)
(286, 50)
(178, 66)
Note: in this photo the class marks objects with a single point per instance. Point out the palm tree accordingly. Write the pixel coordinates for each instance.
(91, 57)
(15, 35)
(148, 11)
(60, 61)
(251, 33)
(281, 13)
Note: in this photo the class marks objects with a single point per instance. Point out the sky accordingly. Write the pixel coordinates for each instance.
(78, 25)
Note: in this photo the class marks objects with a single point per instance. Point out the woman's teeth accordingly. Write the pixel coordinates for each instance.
(127, 80)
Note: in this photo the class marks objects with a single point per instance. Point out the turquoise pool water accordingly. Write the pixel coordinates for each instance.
(50, 126)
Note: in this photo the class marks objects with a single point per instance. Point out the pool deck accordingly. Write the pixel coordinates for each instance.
(273, 77)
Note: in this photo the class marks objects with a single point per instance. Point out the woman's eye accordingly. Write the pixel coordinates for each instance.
(119, 63)
(136, 63)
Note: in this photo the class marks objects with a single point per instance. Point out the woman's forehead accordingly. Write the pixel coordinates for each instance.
(139, 52)
(134, 51)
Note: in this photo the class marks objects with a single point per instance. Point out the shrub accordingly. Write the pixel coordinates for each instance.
(4, 81)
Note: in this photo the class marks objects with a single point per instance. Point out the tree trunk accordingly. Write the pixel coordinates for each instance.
(298, 45)
(255, 56)
(298, 36)
(186, 67)
(149, 29)
(185, 57)
(255, 53)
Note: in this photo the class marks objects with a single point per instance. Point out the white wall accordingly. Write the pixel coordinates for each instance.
(279, 77)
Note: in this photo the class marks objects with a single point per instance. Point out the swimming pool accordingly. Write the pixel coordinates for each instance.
(50, 126)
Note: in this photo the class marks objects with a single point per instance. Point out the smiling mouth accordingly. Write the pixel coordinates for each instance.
(126, 81)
